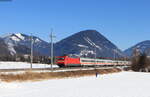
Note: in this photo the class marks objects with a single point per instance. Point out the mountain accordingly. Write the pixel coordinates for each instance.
(86, 43)
(82, 44)
(21, 44)
(143, 46)
(3, 48)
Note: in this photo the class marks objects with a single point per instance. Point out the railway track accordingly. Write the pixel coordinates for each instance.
(55, 69)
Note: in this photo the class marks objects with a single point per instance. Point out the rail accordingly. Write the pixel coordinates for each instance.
(59, 69)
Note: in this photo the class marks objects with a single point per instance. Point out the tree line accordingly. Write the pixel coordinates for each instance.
(140, 61)
(27, 58)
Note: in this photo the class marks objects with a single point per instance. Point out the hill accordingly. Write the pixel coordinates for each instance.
(86, 44)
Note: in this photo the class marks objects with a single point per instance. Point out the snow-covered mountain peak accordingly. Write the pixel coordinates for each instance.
(19, 35)
(14, 37)
(17, 42)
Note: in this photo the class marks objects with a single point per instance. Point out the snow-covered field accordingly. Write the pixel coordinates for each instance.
(17, 65)
(124, 84)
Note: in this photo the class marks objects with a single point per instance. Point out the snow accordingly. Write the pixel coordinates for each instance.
(84, 46)
(89, 41)
(124, 84)
(23, 65)
(83, 53)
(17, 65)
(15, 38)
(37, 40)
(86, 52)
(92, 43)
(11, 48)
(19, 35)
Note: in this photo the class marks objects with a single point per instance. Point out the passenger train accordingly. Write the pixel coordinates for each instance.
(66, 61)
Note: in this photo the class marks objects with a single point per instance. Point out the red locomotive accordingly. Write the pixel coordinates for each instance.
(64, 61)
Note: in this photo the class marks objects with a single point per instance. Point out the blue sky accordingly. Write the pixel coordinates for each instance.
(124, 22)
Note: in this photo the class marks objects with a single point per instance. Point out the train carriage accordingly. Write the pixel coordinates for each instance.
(96, 62)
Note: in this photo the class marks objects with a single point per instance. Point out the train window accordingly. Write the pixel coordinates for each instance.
(60, 58)
(101, 61)
(93, 61)
(84, 60)
(88, 60)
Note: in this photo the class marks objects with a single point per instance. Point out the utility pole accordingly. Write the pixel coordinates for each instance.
(52, 53)
(95, 46)
(31, 57)
(95, 55)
